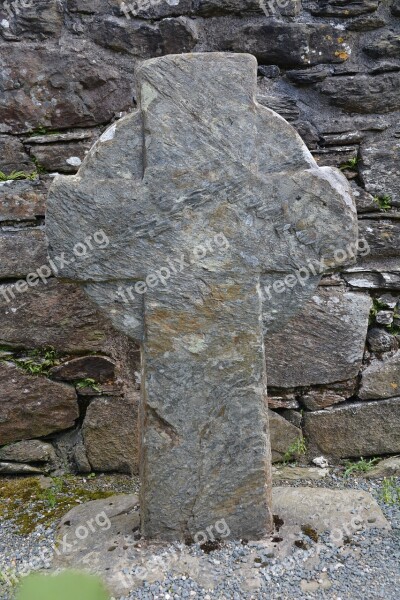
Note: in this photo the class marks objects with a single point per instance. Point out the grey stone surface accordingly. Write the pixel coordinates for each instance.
(364, 94)
(283, 435)
(33, 406)
(379, 169)
(293, 473)
(373, 280)
(389, 467)
(18, 469)
(13, 156)
(327, 509)
(52, 314)
(221, 170)
(124, 563)
(381, 378)
(290, 45)
(383, 238)
(22, 252)
(338, 8)
(327, 341)
(63, 88)
(355, 429)
(315, 398)
(99, 368)
(28, 451)
(110, 434)
(22, 200)
(109, 543)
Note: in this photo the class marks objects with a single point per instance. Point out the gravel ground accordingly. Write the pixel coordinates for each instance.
(366, 567)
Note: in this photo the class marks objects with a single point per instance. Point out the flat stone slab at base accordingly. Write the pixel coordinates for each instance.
(102, 537)
(292, 473)
(324, 509)
(389, 467)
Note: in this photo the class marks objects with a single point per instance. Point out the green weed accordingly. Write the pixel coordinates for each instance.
(87, 383)
(384, 202)
(350, 164)
(18, 175)
(361, 466)
(298, 448)
(390, 493)
(376, 307)
(37, 362)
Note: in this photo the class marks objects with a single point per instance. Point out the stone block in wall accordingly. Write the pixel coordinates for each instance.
(323, 344)
(22, 251)
(380, 341)
(38, 19)
(370, 280)
(355, 429)
(364, 93)
(381, 378)
(335, 156)
(92, 6)
(28, 451)
(61, 152)
(62, 87)
(383, 238)
(387, 45)
(365, 201)
(33, 406)
(22, 200)
(366, 23)
(283, 435)
(13, 156)
(99, 368)
(269, 8)
(283, 105)
(53, 314)
(379, 168)
(110, 434)
(341, 8)
(142, 39)
(395, 8)
(288, 45)
(318, 398)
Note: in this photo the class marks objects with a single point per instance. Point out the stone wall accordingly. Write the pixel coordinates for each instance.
(332, 69)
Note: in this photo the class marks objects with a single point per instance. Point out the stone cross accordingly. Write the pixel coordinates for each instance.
(212, 206)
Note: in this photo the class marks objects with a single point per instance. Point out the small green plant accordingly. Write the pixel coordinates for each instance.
(39, 167)
(87, 383)
(50, 494)
(376, 307)
(390, 493)
(393, 329)
(36, 362)
(42, 130)
(63, 586)
(384, 202)
(350, 164)
(361, 466)
(297, 448)
(17, 176)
